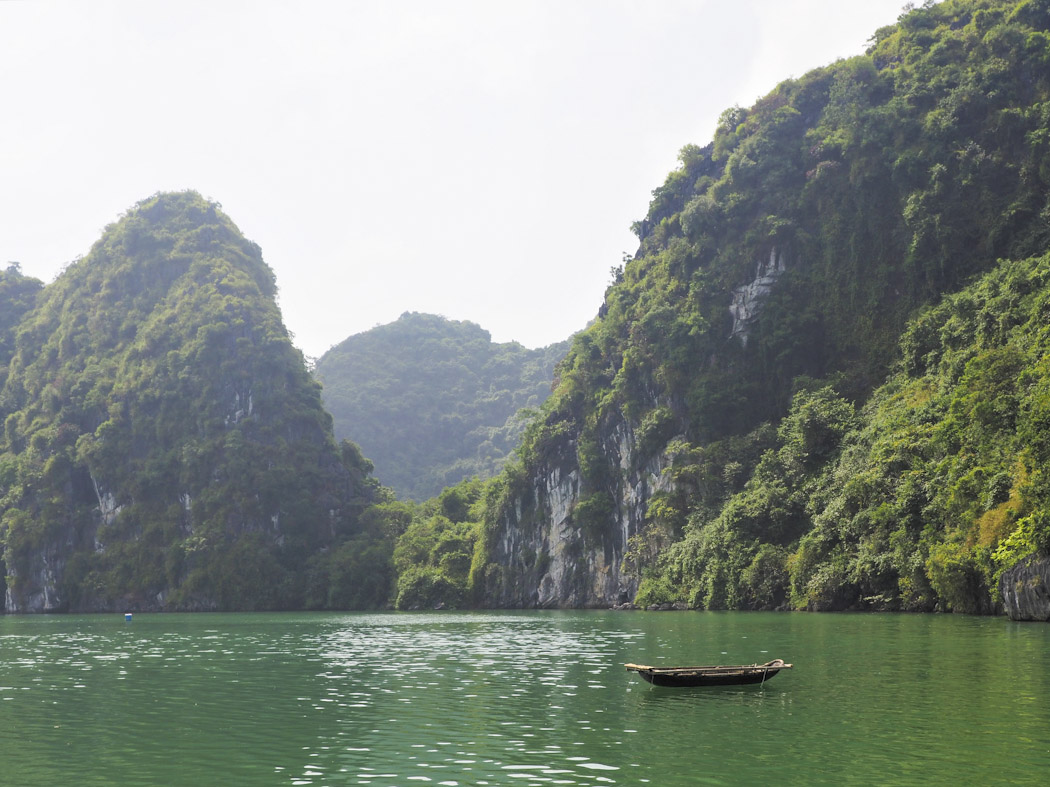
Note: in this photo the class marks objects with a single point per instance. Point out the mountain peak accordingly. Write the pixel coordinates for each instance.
(164, 445)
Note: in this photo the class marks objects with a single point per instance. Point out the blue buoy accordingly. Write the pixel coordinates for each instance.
(127, 617)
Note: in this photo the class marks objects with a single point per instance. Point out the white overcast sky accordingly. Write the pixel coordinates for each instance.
(479, 159)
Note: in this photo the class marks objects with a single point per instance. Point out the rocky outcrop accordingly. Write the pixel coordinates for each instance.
(44, 596)
(1025, 589)
(561, 542)
(747, 299)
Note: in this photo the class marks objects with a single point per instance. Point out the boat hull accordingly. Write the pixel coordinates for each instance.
(709, 676)
(731, 679)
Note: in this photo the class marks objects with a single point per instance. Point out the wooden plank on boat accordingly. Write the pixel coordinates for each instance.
(721, 668)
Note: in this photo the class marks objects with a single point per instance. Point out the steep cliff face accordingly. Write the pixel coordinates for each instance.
(164, 446)
(1025, 589)
(557, 545)
(748, 298)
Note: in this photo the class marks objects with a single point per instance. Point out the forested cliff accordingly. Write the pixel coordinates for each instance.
(782, 403)
(164, 446)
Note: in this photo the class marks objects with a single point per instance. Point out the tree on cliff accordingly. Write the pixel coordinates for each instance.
(17, 296)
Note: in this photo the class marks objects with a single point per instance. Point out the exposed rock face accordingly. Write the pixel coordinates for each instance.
(1026, 589)
(44, 597)
(747, 300)
(546, 554)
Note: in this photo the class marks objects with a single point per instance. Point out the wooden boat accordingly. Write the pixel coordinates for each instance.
(709, 676)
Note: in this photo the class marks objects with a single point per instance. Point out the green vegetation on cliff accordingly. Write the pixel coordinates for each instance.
(879, 182)
(433, 401)
(163, 443)
(778, 270)
(921, 499)
(17, 296)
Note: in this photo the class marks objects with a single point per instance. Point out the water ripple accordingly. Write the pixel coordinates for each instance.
(518, 698)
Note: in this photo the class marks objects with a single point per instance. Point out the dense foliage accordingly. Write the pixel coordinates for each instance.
(849, 199)
(403, 555)
(163, 443)
(433, 401)
(919, 500)
(17, 296)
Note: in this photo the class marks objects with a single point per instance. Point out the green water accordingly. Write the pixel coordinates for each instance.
(520, 698)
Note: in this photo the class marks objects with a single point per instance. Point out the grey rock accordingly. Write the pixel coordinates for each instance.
(1025, 589)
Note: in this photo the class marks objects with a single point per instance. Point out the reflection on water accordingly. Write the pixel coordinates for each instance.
(481, 698)
(537, 698)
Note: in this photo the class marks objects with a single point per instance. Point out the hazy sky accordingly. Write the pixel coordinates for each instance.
(480, 159)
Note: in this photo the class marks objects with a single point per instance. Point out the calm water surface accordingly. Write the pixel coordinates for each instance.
(520, 698)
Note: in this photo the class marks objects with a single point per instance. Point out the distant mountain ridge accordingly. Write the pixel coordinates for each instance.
(432, 401)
